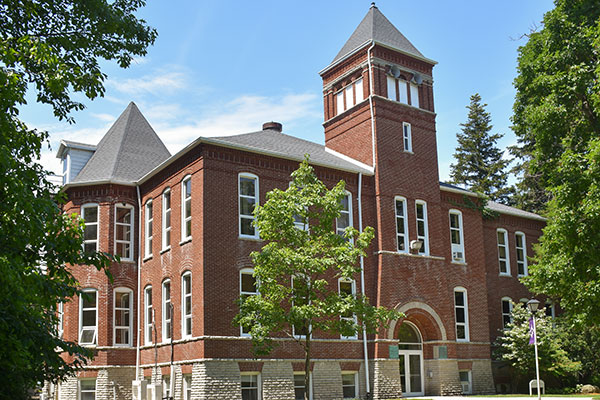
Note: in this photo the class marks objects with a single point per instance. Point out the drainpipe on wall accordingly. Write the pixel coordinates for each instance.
(362, 288)
(139, 282)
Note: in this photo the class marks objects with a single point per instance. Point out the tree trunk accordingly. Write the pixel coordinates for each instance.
(307, 366)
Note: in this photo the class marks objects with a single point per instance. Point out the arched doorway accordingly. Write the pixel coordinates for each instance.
(410, 353)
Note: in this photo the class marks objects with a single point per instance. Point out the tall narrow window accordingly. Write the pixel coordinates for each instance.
(407, 136)
(186, 304)
(89, 212)
(521, 254)
(456, 236)
(148, 229)
(349, 96)
(414, 95)
(87, 389)
(60, 313)
(248, 287)
(166, 219)
(550, 309)
(300, 287)
(250, 386)
(503, 260)
(299, 387)
(124, 232)
(347, 288)
(402, 91)
(401, 225)
(339, 101)
(461, 313)
(506, 312)
(187, 387)
(391, 88)
(345, 218)
(349, 385)
(166, 311)
(422, 226)
(123, 317)
(148, 332)
(248, 199)
(186, 208)
(88, 317)
(166, 382)
(358, 90)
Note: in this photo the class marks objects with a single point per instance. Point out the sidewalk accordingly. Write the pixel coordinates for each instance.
(544, 397)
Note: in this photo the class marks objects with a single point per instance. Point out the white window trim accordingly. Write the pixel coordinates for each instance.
(309, 327)
(184, 220)
(466, 307)
(60, 315)
(79, 392)
(407, 137)
(424, 239)
(470, 381)
(457, 247)
(185, 386)
(148, 234)
(340, 231)
(95, 337)
(341, 96)
(132, 232)
(97, 223)
(507, 260)
(258, 381)
(166, 228)
(148, 339)
(551, 306)
(356, 391)
(246, 271)
(163, 302)
(405, 218)
(256, 202)
(510, 308)
(130, 309)
(185, 319)
(310, 384)
(524, 248)
(353, 318)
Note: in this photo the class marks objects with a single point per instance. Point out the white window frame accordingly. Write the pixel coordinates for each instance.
(258, 383)
(349, 96)
(185, 203)
(131, 233)
(148, 226)
(129, 309)
(148, 313)
(549, 305)
(97, 224)
(166, 230)
(80, 391)
(353, 317)
(164, 304)
(460, 289)
(241, 216)
(355, 375)
(60, 315)
(469, 382)
(340, 230)
(394, 88)
(187, 387)
(405, 222)
(506, 260)
(247, 271)
(166, 386)
(94, 341)
(460, 247)
(309, 327)
(509, 314)
(414, 93)
(185, 318)
(523, 250)
(310, 383)
(407, 137)
(423, 238)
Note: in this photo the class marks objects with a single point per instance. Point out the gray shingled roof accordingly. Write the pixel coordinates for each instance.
(128, 151)
(278, 144)
(375, 26)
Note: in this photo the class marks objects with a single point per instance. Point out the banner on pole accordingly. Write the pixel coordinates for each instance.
(531, 331)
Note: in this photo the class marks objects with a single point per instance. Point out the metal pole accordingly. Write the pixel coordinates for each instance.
(537, 365)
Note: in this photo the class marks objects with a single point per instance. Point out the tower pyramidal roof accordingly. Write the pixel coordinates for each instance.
(376, 27)
(128, 151)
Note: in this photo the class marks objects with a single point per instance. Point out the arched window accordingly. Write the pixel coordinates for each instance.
(422, 226)
(347, 288)
(186, 208)
(122, 317)
(521, 249)
(401, 224)
(456, 236)
(91, 217)
(124, 231)
(248, 199)
(248, 287)
(186, 304)
(503, 258)
(148, 315)
(88, 317)
(507, 306)
(166, 219)
(167, 316)
(345, 218)
(149, 218)
(461, 313)
(409, 337)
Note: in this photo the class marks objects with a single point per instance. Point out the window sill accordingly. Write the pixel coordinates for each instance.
(163, 251)
(505, 275)
(409, 151)
(459, 262)
(251, 238)
(147, 258)
(186, 240)
(521, 275)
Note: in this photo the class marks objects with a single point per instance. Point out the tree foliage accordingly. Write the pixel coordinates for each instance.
(582, 344)
(479, 164)
(556, 118)
(302, 246)
(51, 48)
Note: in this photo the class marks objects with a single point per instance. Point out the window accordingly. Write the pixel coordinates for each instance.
(89, 212)
(186, 208)
(301, 328)
(166, 384)
(166, 311)
(88, 317)
(250, 386)
(123, 316)
(506, 312)
(186, 304)
(148, 229)
(345, 218)
(299, 388)
(248, 199)
(461, 312)
(60, 314)
(456, 236)
(503, 260)
(123, 232)
(465, 381)
(187, 387)
(148, 315)
(414, 95)
(397, 89)
(422, 226)
(349, 385)
(401, 225)
(166, 219)
(347, 97)
(347, 288)
(87, 389)
(521, 254)
(407, 136)
(248, 287)
(550, 310)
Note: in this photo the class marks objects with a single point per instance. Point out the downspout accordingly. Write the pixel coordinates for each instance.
(362, 287)
(371, 102)
(139, 282)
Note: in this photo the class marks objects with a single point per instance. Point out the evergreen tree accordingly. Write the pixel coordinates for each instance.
(479, 164)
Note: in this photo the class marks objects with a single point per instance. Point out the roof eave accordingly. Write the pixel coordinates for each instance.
(534, 217)
(461, 191)
(98, 182)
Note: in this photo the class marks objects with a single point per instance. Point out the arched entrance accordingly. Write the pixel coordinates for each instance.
(410, 353)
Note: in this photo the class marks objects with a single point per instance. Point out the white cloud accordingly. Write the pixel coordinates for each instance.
(103, 117)
(157, 83)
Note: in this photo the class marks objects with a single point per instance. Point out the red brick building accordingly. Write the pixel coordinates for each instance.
(182, 227)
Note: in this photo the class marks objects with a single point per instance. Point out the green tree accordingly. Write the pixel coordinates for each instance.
(479, 164)
(513, 346)
(298, 269)
(51, 48)
(582, 344)
(556, 116)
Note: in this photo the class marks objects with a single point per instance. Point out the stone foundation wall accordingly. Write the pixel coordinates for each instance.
(445, 380)
(483, 379)
(216, 380)
(327, 381)
(386, 380)
(277, 380)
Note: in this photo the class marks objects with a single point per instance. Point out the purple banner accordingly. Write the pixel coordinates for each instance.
(531, 331)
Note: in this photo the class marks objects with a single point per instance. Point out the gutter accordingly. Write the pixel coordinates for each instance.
(371, 102)
(139, 282)
(362, 288)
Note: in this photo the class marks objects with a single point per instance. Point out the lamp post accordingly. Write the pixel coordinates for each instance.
(533, 305)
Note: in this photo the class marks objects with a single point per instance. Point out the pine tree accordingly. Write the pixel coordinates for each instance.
(479, 164)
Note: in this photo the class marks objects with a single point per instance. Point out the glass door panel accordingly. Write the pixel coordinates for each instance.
(415, 372)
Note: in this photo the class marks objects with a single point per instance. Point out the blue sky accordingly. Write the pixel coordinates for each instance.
(222, 68)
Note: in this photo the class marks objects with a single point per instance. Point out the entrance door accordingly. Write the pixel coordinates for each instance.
(410, 353)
